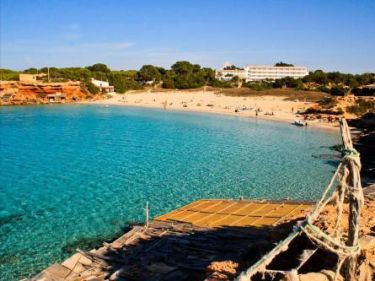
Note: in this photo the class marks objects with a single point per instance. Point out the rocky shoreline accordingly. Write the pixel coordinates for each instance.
(22, 93)
(364, 142)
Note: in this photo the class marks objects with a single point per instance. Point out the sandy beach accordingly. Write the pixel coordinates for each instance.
(275, 108)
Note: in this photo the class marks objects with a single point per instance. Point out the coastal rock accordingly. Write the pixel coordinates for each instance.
(226, 267)
(367, 242)
(20, 93)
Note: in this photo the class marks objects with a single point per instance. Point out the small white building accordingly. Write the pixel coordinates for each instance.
(103, 86)
(262, 72)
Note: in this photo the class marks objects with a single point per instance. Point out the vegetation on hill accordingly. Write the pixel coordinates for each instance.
(361, 107)
(7, 74)
(182, 75)
(185, 75)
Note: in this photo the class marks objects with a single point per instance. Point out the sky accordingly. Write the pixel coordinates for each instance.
(333, 35)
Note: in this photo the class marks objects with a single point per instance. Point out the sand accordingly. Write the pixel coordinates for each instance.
(269, 107)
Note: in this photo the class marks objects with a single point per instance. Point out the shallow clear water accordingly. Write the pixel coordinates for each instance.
(68, 172)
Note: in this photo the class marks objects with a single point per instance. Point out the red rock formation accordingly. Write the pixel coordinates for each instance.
(18, 93)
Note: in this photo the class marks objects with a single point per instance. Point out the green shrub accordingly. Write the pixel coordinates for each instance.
(221, 84)
(340, 111)
(7, 75)
(312, 110)
(328, 102)
(361, 107)
(122, 82)
(260, 86)
(363, 91)
(324, 89)
(92, 88)
(338, 91)
(168, 83)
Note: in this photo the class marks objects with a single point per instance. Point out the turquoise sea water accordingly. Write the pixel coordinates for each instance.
(72, 172)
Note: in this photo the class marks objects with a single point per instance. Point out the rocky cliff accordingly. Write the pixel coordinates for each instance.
(20, 93)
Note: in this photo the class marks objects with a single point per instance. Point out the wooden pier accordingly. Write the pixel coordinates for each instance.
(199, 241)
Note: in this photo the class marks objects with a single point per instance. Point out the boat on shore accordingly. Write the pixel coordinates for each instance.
(300, 123)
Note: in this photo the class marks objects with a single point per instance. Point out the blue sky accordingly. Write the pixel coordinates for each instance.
(330, 35)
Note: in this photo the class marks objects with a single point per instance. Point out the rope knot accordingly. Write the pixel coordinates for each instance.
(350, 153)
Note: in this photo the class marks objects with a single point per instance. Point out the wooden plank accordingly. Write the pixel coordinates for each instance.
(282, 211)
(217, 208)
(210, 220)
(245, 221)
(197, 207)
(235, 207)
(264, 221)
(264, 210)
(181, 215)
(248, 209)
(230, 220)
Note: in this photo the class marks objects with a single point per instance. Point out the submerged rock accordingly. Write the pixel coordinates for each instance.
(10, 219)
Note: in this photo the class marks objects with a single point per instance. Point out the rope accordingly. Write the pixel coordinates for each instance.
(322, 202)
(350, 185)
(341, 191)
(260, 265)
(329, 243)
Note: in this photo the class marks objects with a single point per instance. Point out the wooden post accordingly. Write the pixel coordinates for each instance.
(147, 214)
(352, 177)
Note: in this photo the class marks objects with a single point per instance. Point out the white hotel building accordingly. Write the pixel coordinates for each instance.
(262, 72)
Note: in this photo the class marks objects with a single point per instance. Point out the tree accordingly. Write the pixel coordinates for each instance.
(31, 70)
(161, 70)
(283, 64)
(235, 79)
(182, 68)
(232, 67)
(123, 81)
(338, 91)
(168, 80)
(319, 77)
(187, 75)
(149, 73)
(99, 67)
(209, 75)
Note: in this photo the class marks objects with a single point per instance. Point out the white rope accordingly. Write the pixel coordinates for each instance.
(329, 243)
(350, 183)
(261, 264)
